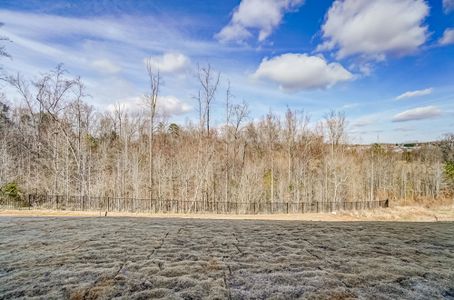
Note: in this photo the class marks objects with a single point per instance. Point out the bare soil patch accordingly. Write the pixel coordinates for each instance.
(396, 213)
(142, 258)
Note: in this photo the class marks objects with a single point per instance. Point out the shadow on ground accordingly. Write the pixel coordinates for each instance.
(134, 258)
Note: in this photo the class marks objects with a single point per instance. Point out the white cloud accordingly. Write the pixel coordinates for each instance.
(106, 66)
(416, 93)
(166, 105)
(448, 37)
(365, 68)
(132, 105)
(168, 62)
(299, 72)
(374, 28)
(418, 113)
(448, 6)
(261, 15)
(170, 105)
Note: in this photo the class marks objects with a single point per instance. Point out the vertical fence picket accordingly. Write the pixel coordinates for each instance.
(159, 205)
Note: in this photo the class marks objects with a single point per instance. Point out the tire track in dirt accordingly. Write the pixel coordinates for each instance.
(228, 268)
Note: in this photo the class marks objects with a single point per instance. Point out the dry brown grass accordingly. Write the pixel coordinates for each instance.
(446, 199)
(150, 258)
(414, 213)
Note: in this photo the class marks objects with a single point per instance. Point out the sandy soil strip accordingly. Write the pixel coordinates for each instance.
(399, 213)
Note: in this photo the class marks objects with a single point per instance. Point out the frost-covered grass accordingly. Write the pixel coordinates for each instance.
(142, 258)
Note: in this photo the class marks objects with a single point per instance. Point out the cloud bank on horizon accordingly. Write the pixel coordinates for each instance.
(354, 55)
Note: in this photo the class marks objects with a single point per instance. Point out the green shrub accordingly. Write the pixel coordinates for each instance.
(449, 171)
(11, 190)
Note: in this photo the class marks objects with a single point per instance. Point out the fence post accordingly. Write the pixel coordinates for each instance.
(287, 207)
(387, 203)
(29, 202)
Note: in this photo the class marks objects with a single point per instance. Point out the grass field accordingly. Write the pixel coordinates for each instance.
(142, 258)
(396, 213)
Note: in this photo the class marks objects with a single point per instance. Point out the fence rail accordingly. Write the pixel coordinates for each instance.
(115, 204)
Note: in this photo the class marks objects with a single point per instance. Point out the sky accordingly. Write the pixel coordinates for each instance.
(387, 64)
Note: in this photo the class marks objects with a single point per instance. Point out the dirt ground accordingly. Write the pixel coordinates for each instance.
(143, 258)
(397, 213)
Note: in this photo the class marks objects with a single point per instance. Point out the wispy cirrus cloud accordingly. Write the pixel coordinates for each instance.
(104, 65)
(364, 121)
(447, 38)
(448, 6)
(123, 29)
(418, 113)
(416, 93)
(104, 49)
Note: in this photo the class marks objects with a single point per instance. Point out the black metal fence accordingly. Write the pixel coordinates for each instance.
(115, 204)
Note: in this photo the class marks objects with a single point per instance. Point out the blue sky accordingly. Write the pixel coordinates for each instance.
(388, 64)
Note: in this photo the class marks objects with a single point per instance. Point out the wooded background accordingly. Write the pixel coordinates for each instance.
(52, 141)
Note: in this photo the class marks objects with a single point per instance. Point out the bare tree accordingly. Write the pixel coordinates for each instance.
(151, 101)
(46, 99)
(54, 141)
(209, 80)
(335, 123)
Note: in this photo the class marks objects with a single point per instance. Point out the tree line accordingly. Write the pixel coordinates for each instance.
(53, 141)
